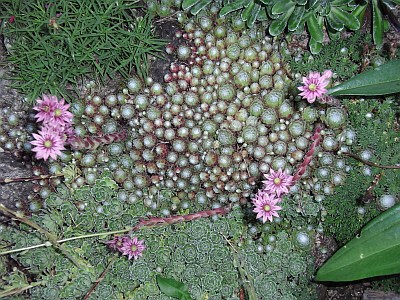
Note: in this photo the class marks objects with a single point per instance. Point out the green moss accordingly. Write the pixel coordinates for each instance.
(373, 122)
(343, 56)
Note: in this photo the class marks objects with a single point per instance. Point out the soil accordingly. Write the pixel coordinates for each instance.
(15, 165)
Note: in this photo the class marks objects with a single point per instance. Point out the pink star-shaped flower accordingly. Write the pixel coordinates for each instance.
(52, 111)
(265, 206)
(132, 247)
(48, 143)
(315, 85)
(277, 182)
(45, 108)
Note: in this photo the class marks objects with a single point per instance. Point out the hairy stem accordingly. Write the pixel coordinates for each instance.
(316, 138)
(91, 143)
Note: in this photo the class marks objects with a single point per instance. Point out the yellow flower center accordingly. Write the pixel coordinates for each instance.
(267, 208)
(57, 112)
(312, 87)
(134, 248)
(277, 181)
(46, 108)
(48, 144)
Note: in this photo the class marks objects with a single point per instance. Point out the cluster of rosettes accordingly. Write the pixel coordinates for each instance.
(56, 127)
(225, 115)
(131, 247)
(277, 183)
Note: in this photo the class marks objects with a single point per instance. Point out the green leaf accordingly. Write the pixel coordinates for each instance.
(334, 22)
(315, 28)
(281, 7)
(277, 26)
(359, 12)
(186, 4)
(247, 11)
(262, 15)
(173, 288)
(383, 80)
(315, 47)
(253, 15)
(296, 18)
(375, 252)
(377, 25)
(350, 21)
(199, 6)
(238, 4)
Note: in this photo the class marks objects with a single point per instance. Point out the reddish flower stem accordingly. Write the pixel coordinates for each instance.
(316, 138)
(91, 143)
(155, 221)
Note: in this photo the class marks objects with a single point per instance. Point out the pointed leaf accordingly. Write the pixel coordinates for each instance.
(350, 21)
(238, 4)
(296, 18)
(173, 288)
(315, 29)
(374, 252)
(301, 2)
(383, 80)
(186, 4)
(281, 7)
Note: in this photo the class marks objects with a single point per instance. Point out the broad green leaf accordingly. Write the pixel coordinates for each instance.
(375, 252)
(231, 7)
(186, 4)
(359, 12)
(253, 15)
(296, 18)
(350, 21)
(173, 288)
(281, 7)
(247, 11)
(278, 26)
(199, 6)
(383, 80)
(315, 28)
(334, 22)
(334, 35)
(315, 47)
(262, 15)
(301, 2)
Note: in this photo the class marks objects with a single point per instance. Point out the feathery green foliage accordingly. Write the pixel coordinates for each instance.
(53, 44)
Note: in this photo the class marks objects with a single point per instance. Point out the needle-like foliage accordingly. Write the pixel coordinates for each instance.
(53, 44)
